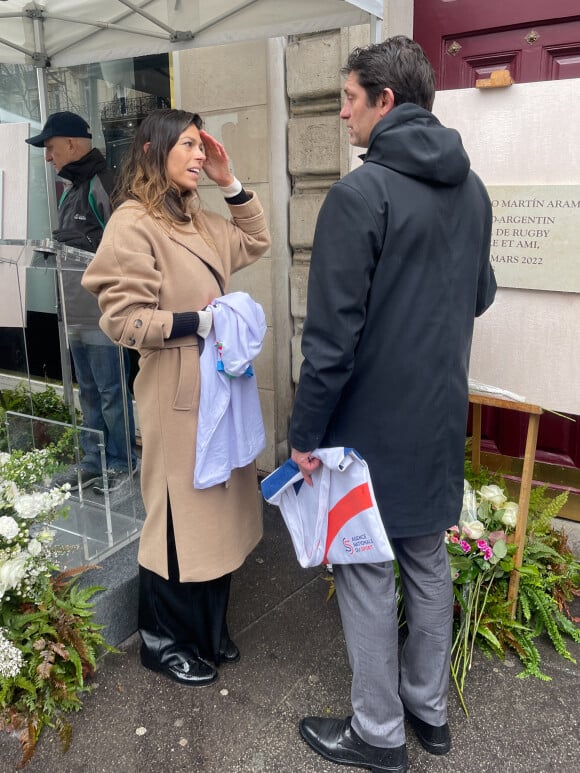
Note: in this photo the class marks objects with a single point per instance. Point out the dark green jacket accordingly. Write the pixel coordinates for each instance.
(84, 207)
(83, 212)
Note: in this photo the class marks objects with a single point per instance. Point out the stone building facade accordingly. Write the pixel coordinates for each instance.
(275, 105)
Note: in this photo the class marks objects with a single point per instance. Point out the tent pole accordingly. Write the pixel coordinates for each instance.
(376, 29)
(65, 366)
(48, 170)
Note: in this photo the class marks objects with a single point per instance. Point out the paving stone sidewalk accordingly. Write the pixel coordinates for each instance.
(293, 664)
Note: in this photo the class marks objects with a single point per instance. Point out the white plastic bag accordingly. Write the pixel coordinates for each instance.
(336, 520)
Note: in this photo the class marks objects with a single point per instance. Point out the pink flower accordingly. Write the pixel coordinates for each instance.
(454, 529)
(453, 538)
(482, 544)
(495, 536)
(488, 553)
(465, 546)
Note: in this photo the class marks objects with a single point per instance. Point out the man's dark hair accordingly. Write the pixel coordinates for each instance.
(397, 63)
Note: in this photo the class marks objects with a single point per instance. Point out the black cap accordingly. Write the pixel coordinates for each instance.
(61, 125)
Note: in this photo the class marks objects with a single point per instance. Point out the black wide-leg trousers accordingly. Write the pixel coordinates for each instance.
(182, 619)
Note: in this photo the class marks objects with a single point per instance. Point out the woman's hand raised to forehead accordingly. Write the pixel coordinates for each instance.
(217, 162)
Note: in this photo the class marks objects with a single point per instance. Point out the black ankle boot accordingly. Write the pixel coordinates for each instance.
(229, 653)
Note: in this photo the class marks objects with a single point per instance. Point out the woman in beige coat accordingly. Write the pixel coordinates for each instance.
(162, 260)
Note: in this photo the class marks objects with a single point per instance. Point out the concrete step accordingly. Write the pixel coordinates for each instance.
(116, 605)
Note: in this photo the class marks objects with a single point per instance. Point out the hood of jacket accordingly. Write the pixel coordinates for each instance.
(410, 140)
(85, 168)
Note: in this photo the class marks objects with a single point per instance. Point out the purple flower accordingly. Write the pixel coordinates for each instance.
(465, 546)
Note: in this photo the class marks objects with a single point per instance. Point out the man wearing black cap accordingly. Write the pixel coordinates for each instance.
(83, 211)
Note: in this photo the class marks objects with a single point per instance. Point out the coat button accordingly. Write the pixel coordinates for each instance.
(131, 342)
(138, 323)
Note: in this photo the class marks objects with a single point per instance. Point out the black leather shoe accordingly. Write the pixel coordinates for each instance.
(434, 739)
(335, 740)
(230, 653)
(191, 671)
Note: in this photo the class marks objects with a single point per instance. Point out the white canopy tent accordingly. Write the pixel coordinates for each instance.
(58, 33)
(49, 34)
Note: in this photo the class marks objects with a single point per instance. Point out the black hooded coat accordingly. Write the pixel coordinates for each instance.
(399, 270)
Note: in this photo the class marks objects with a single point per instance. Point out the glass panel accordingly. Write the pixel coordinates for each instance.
(98, 522)
(30, 342)
(101, 370)
(106, 506)
(14, 368)
(87, 357)
(113, 97)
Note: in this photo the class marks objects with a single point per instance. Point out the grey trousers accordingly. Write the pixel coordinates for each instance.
(368, 607)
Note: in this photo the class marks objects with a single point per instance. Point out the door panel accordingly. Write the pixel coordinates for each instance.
(561, 62)
(534, 40)
(440, 23)
(541, 52)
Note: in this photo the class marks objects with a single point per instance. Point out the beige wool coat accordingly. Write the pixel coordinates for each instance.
(143, 271)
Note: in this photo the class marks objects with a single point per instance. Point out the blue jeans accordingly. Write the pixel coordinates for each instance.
(98, 372)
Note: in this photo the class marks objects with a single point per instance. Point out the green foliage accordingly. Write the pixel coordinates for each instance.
(44, 405)
(48, 639)
(549, 579)
(542, 509)
(48, 404)
(59, 642)
(481, 478)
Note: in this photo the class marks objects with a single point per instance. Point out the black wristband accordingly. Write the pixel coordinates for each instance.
(239, 198)
(185, 323)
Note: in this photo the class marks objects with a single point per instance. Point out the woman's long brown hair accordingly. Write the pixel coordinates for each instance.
(143, 175)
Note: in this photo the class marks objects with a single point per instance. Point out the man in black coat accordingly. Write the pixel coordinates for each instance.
(399, 270)
(83, 211)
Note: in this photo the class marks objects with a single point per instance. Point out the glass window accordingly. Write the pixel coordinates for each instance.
(113, 97)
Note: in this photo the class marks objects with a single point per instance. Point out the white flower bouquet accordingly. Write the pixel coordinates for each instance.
(48, 640)
(479, 554)
(481, 550)
(26, 554)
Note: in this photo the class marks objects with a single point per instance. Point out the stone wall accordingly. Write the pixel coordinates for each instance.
(318, 149)
(239, 91)
(275, 104)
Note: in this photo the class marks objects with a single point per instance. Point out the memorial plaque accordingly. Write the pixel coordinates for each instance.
(535, 241)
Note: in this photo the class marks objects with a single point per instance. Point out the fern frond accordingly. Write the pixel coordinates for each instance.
(545, 608)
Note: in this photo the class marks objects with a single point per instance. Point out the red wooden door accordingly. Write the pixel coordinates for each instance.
(535, 40)
(465, 40)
